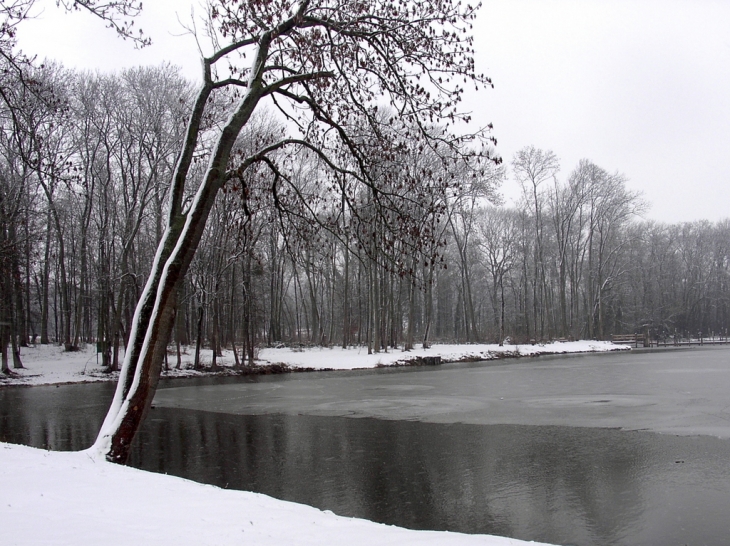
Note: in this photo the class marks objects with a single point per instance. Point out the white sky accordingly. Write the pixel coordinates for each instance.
(636, 86)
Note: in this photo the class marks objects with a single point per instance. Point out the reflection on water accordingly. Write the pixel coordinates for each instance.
(62, 418)
(555, 484)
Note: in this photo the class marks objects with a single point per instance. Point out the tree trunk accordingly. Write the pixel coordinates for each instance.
(501, 317)
(215, 334)
(45, 281)
(199, 333)
(4, 367)
(250, 318)
(428, 305)
(411, 307)
(346, 300)
(153, 317)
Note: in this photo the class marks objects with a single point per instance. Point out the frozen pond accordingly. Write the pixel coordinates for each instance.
(681, 391)
(509, 448)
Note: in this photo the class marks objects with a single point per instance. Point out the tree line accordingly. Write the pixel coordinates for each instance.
(429, 257)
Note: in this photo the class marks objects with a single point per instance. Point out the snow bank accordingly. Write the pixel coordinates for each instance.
(50, 364)
(337, 358)
(70, 498)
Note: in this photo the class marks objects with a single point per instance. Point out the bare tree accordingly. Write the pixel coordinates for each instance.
(498, 232)
(324, 66)
(533, 168)
(472, 193)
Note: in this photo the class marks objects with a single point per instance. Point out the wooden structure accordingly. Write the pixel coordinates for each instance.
(631, 339)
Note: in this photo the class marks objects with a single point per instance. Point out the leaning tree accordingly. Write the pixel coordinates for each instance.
(328, 67)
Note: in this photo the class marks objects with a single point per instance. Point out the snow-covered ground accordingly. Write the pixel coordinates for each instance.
(49, 364)
(74, 498)
(337, 358)
(52, 498)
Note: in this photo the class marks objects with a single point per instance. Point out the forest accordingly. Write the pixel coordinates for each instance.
(433, 256)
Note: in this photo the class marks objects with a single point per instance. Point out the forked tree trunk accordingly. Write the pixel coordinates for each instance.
(154, 316)
(386, 45)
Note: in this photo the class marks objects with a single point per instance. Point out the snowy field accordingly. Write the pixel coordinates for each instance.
(49, 364)
(53, 498)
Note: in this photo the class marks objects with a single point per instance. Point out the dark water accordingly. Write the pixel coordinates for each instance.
(63, 418)
(561, 485)
(557, 484)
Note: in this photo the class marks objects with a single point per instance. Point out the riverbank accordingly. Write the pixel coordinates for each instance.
(50, 364)
(71, 498)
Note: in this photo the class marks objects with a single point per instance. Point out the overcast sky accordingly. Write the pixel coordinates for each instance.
(637, 86)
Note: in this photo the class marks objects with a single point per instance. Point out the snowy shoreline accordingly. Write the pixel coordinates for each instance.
(76, 498)
(51, 365)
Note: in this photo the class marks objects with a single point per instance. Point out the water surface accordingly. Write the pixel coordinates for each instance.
(428, 450)
(674, 391)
